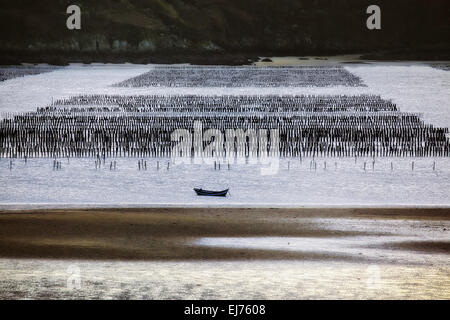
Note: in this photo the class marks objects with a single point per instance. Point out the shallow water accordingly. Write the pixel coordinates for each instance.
(291, 182)
(385, 242)
(414, 87)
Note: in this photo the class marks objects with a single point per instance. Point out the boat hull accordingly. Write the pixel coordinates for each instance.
(201, 192)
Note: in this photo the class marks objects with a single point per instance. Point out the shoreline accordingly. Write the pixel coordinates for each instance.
(396, 212)
(31, 207)
(232, 59)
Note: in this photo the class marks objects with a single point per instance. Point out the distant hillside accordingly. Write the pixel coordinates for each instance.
(137, 29)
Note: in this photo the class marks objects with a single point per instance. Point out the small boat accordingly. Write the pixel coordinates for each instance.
(201, 192)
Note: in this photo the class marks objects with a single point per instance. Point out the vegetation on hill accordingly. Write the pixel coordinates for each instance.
(144, 29)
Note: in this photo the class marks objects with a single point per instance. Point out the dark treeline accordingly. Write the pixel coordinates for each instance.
(142, 29)
(142, 126)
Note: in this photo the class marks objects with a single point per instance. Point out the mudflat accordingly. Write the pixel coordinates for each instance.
(172, 233)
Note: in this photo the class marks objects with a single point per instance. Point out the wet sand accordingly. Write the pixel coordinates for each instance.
(259, 253)
(167, 234)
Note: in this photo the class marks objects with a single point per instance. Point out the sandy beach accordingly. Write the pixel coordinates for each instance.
(167, 234)
(230, 253)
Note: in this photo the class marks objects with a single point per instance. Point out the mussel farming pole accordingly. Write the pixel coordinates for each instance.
(86, 126)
